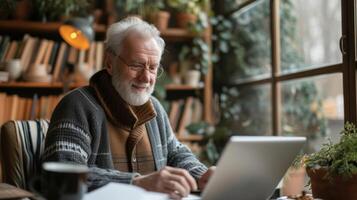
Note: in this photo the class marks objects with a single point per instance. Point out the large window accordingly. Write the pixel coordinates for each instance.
(310, 34)
(291, 71)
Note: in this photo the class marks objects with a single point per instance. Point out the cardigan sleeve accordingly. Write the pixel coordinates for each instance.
(70, 139)
(178, 155)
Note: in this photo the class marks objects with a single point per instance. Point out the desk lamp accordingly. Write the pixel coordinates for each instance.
(77, 32)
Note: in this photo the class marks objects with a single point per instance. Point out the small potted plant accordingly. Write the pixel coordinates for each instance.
(294, 179)
(188, 11)
(333, 169)
(194, 61)
(156, 14)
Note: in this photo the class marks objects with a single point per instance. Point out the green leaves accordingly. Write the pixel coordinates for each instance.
(188, 6)
(340, 158)
(54, 9)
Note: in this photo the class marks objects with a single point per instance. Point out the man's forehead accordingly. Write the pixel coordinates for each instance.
(137, 45)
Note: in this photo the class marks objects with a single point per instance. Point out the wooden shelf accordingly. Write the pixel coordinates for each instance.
(22, 27)
(56, 85)
(190, 138)
(182, 87)
(177, 34)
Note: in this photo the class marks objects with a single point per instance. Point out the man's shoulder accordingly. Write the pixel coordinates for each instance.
(156, 103)
(80, 92)
(81, 96)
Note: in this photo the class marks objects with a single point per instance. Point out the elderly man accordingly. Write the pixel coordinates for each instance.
(116, 128)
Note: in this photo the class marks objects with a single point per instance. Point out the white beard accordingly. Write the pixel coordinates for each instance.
(124, 88)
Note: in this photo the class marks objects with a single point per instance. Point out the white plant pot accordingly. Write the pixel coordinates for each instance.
(192, 78)
(37, 73)
(293, 182)
(14, 67)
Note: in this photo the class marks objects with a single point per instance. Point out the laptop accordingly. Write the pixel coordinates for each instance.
(251, 167)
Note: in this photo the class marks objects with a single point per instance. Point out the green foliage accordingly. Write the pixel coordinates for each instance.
(298, 107)
(339, 158)
(187, 6)
(7, 7)
(54, 9)
(246, 107)
(160, 91)
(197, 52)
(214, 142)
(197, 128)
(222, 37)
(130, 6)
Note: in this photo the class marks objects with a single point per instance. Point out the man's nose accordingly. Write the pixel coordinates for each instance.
(144, 76)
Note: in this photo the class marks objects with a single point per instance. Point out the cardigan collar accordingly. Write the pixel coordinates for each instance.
(119, 112)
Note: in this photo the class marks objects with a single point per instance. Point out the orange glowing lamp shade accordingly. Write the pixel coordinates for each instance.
(77, 32)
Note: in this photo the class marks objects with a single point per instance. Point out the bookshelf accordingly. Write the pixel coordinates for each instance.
(17, 29)
(20, 27)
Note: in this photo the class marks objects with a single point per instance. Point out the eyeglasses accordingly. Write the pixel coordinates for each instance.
(156, 70)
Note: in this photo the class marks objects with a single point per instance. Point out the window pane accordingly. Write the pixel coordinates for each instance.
(247, 110)
(310, 33)
(251, 53)
(313, 107)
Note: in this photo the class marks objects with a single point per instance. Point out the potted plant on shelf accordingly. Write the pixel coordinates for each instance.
(61, 10)
(126, 8)
(294, 179)
(156, 14)
(194, 58)
(333, 169)
(188, 11)
(194, 61)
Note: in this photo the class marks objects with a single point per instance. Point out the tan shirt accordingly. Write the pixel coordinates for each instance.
(131, 151)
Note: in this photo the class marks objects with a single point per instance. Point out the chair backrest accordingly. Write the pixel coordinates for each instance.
(21, 147)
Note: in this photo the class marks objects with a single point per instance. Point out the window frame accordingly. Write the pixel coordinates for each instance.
(347, 68)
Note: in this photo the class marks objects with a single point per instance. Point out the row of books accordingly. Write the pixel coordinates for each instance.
(15, 107)
(183, 112)
(54, 55)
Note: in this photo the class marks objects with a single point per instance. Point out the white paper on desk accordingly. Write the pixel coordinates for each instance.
(116, 191)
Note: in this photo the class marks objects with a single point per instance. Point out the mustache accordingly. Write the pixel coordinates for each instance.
(141, 84)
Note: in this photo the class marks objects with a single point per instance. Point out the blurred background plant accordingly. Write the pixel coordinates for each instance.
(130, 7)
(7, 7)
(188, 6)
(52, 10)
(197, 52)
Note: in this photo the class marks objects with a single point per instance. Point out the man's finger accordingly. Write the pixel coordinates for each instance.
(182, 181)
(174, 186)
(181, 172)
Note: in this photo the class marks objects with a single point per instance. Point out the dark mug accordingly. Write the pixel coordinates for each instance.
(61, 181)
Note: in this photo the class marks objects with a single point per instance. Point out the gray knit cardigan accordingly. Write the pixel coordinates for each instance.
(78, 133)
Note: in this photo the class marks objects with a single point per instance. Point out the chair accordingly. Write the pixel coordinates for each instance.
(21, 146)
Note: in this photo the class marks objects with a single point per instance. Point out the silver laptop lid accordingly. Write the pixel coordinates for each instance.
(251, 167)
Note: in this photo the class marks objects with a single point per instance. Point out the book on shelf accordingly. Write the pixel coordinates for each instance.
(54, 54)
(56, 57)
(183, 112)
(10, 54)
(3, 110)
(175, 113)
(4, 46)
(186, 117)
(59, 61)
(27, 108)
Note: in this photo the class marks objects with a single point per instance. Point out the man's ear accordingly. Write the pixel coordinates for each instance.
(108, 62)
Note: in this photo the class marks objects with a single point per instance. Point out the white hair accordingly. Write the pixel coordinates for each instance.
(117, 33)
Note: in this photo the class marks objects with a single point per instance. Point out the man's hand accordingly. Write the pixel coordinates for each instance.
(205, 177)
(174, 181)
